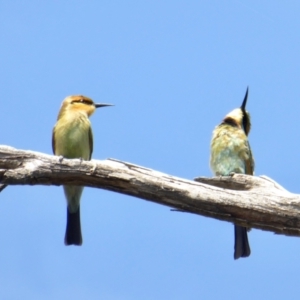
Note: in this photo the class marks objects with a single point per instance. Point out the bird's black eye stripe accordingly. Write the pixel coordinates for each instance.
(82, 101)
(230, 122)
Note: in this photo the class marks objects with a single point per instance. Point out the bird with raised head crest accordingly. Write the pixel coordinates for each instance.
(72, 138)
(231, 153)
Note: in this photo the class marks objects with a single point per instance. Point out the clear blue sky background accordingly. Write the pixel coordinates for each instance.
(173, 69)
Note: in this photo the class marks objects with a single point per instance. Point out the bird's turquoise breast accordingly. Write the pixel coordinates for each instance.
(229, 151)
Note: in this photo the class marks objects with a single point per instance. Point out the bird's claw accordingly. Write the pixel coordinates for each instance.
(93, 170)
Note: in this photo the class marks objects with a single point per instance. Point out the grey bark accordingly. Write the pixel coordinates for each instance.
(249, 201)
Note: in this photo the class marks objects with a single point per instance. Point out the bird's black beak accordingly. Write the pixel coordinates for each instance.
(97, 105)
(243, 107)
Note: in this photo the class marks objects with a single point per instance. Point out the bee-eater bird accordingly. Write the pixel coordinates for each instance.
(72, 138)
(231, 153)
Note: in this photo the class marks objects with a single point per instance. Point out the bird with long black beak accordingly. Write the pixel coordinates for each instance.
(72, 138)
(231, 153)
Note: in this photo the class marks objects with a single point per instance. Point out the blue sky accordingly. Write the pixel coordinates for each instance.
(173, 69)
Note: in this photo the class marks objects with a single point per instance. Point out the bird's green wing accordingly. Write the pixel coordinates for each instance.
(91, 142)
(53, 141)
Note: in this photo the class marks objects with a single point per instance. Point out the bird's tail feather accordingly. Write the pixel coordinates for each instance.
(241, 244)
(73, 231)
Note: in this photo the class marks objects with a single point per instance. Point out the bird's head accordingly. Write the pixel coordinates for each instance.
(239, 117)
(80, 103)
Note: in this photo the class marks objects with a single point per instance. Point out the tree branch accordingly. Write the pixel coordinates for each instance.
(250, 201)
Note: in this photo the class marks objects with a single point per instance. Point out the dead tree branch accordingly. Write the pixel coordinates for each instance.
(256, 202)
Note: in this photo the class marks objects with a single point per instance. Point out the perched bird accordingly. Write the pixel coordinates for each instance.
(72, 138)
(231, 153)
